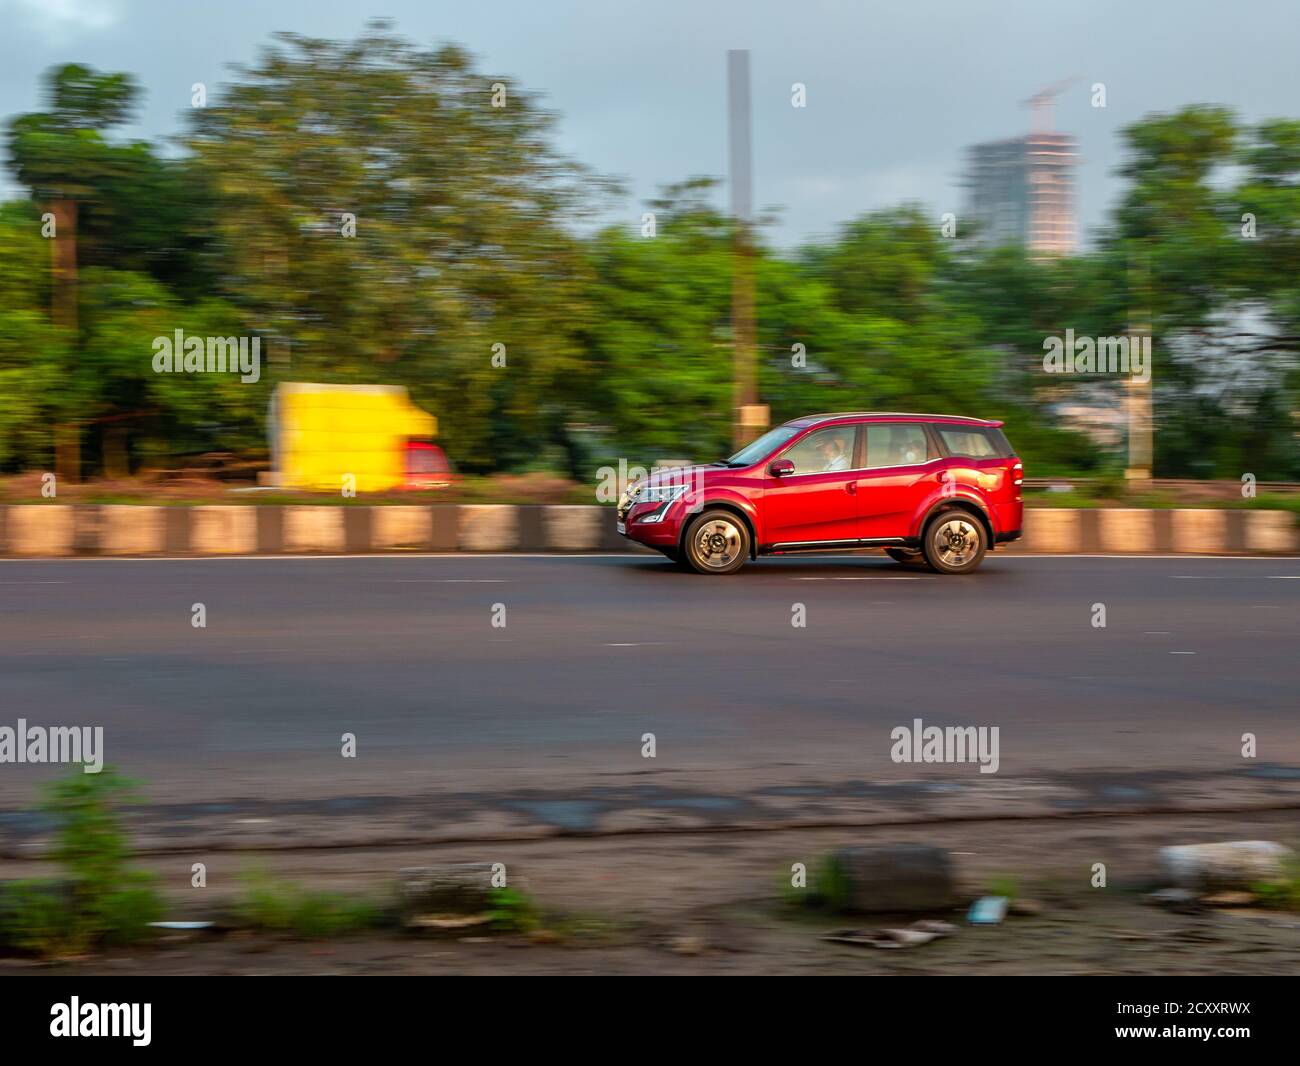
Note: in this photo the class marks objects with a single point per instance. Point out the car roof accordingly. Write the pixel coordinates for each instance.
(908, 416)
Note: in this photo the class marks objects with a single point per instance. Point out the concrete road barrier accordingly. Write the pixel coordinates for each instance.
(128, 530)
(40, 529)
(221, 530)
(400, 527)
(894, 878)
(1139, 531)
(1126, 530)
(64, 529)
(1272, 532)
(488, 527)
(312, 529)
(574, 528)
(1232, 864)
(1049, 529)
(1200, 532)
(446, 889)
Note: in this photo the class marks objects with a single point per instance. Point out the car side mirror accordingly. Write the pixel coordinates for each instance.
(780, 467)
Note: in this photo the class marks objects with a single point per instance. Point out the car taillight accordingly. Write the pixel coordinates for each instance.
(1018, 474)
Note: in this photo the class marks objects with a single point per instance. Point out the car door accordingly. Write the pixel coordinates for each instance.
(817, 502)
(901, 467)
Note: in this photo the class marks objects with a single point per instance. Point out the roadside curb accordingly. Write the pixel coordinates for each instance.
(48, 530)
(685, 803)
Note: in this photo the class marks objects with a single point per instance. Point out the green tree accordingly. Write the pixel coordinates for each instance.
(658, 331)
(61, 154)
(1220, 301)
(34, 354)
(461, 240)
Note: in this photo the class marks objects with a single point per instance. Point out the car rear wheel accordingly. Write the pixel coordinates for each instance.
(717, 542)
(954, 542)
(907, 558)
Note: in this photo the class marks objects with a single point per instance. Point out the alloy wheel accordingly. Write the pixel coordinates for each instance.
(957, 542)
(718, 542)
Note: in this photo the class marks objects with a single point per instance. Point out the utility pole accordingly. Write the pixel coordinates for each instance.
(63, 312)
(748, 418)
(1140, 433)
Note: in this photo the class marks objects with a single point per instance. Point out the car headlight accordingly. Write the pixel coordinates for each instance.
(660, 493)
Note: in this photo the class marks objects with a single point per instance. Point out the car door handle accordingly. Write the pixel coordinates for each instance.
(851, 487)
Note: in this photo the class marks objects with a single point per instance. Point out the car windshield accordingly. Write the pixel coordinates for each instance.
(768, 442)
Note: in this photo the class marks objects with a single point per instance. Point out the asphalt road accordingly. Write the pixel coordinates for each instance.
(597, 651)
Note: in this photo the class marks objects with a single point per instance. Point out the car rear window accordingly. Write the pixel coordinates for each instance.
(897, 444)
(975, 442)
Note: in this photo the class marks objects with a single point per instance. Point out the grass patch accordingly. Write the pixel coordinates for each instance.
(100, 901)
(1283, 893)
(513, 911)
(1003, 885)
(285, 907)
(828, 888)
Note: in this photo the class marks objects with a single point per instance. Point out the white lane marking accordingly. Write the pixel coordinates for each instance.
(1155, 633)
(33, 582)
(443, 581)
(855, 579)
(1182, 653)
(640, 644)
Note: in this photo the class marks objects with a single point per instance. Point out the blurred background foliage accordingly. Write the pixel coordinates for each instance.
(472, 231)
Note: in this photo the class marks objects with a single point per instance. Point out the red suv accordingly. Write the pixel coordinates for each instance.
(931, 490)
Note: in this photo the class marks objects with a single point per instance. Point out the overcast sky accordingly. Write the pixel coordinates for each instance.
(895, 90)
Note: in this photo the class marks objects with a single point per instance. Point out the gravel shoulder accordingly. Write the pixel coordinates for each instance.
(710, 903)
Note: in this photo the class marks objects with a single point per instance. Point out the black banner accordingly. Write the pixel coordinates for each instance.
(1225, 1014)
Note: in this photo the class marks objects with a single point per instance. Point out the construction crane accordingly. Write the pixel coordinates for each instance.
(1041, 103)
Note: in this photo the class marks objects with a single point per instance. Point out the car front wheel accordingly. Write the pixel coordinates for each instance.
(717, 542)
(954, 542)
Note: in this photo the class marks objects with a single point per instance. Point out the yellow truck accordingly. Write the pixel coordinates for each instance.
(320, 434)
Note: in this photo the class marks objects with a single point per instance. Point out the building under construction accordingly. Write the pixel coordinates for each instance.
(1021, 191)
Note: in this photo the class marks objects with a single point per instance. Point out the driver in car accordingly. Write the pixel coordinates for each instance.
(833, 455)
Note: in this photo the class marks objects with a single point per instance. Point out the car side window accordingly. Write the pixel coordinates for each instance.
(897, 444)
(970, 442)
(825, 450)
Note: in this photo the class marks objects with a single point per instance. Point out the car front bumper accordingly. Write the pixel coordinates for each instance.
(656, 525)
